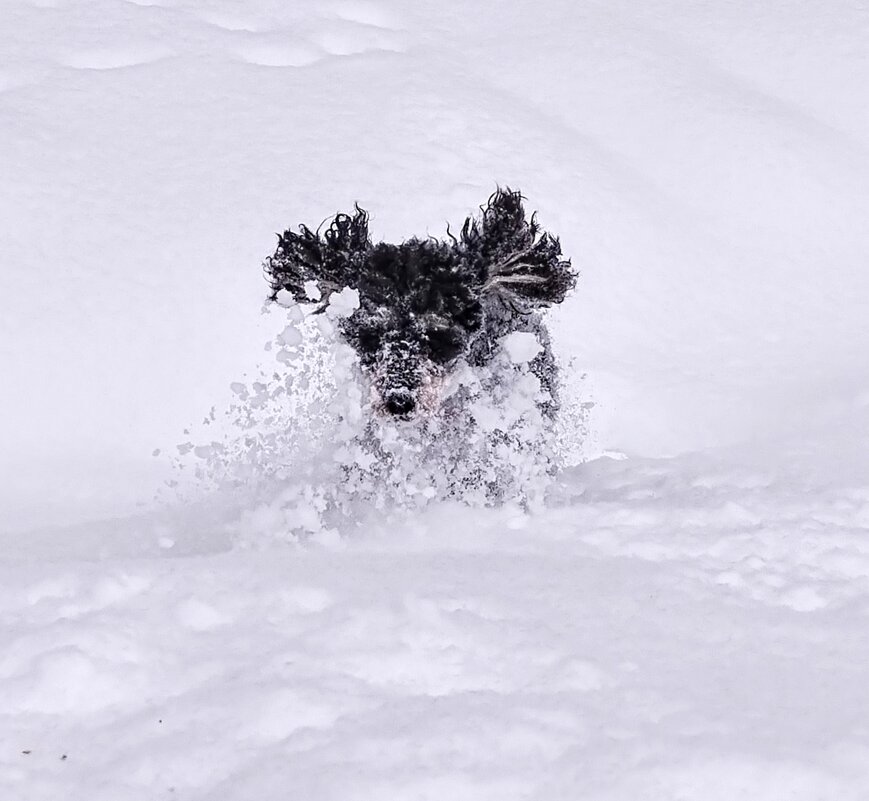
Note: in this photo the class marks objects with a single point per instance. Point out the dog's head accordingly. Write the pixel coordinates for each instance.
(422, 303)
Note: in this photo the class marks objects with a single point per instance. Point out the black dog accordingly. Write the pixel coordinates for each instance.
(426, 303)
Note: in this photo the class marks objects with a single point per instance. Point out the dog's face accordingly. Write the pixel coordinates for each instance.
(418, 311)
(422, 303)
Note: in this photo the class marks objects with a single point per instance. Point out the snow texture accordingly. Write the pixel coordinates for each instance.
(662, 599)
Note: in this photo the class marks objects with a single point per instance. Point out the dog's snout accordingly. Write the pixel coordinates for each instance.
(400, 403)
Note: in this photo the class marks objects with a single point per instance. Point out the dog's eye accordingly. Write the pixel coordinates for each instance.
(369, 338)
(444, 344)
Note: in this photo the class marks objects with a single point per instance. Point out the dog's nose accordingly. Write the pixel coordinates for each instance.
(400, 403)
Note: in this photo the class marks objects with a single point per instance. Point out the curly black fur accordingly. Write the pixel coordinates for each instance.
(426, 302)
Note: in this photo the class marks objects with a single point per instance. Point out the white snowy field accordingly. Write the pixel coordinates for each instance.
(686, 618)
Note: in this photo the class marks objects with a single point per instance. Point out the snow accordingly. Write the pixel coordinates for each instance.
(683, 617)
(521, 346)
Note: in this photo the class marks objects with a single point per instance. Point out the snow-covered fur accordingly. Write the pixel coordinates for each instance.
(428, 306)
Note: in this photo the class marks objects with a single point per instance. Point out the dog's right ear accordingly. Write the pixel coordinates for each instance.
(331, 261)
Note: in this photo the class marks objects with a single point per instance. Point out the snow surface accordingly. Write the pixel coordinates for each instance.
(683, 619)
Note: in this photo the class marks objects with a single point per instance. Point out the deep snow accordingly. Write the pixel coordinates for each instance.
(684, 619)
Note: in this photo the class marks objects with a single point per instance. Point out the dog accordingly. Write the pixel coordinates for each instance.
(429, 305)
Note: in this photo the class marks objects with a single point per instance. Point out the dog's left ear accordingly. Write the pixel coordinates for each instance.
(519, 262)
(332, 261)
